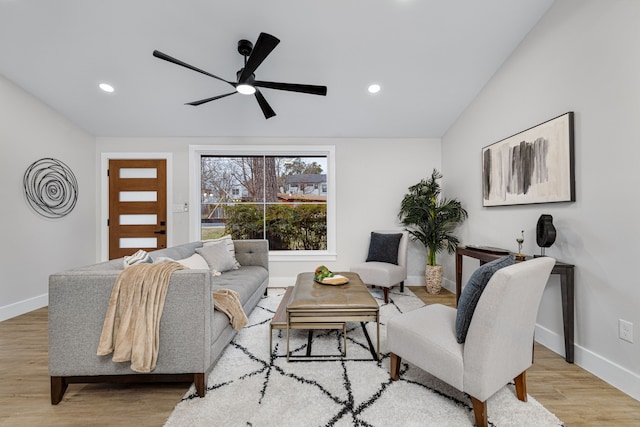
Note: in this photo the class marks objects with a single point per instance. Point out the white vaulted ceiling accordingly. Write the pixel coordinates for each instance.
(431, 58)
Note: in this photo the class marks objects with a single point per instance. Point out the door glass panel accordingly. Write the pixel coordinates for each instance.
(139, 219)
(138, 196)
(138, 173)
(138, 242)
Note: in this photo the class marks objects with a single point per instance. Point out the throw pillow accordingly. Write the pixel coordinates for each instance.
(228, 241)
(384, 247)
(194, 262)
(472, 292)
(137, 258)
(217, 256)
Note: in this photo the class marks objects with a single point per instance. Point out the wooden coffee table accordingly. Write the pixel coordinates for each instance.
(310, 305)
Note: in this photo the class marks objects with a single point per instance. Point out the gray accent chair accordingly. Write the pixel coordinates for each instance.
(384, 274)
(498, 346)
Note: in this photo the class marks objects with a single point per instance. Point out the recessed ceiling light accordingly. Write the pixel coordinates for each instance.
(106, 87)
(374, 88)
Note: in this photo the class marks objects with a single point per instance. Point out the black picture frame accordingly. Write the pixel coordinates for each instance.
(533, 166)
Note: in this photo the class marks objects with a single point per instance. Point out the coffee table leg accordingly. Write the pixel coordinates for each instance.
(378, 326)
(309, 340)
(371, 349)
(344, 336)
(287, 338)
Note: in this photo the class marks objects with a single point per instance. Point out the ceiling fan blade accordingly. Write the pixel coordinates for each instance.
(203, 101)
(264, 45)
(264, 105)
(166, 57)
(311, 89)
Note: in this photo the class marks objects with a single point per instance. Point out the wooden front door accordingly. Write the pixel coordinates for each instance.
(137, 206)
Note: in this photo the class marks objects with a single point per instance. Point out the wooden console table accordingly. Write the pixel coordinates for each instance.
(566, 289)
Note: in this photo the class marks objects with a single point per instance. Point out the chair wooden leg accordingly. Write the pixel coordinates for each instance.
(58, 387)
(521, 386)
(200, 381)
(402, 286)
(394, 367)
(386, 295)
(480, 412)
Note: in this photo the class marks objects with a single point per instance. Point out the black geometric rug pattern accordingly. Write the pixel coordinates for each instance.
(251, 386)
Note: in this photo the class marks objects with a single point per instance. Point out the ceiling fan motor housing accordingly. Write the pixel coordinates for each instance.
(245, 47)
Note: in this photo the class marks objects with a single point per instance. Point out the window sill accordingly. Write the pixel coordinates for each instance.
(288, 256)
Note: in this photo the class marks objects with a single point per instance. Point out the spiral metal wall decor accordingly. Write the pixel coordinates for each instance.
(51, 188)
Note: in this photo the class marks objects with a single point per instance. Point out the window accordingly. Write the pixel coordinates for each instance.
(267, 193)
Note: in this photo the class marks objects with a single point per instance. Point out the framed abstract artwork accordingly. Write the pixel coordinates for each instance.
(533, 166)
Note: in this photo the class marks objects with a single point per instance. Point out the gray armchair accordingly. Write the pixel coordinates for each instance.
(498, 346)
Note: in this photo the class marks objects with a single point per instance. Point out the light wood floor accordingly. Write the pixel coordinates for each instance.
(575, 396)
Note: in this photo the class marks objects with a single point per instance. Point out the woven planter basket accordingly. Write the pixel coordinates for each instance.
(433, 278)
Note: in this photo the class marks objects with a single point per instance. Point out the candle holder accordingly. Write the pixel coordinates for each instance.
(520, 256)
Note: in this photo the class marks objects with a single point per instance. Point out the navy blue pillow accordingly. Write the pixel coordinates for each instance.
(472, 291)
(384, 247)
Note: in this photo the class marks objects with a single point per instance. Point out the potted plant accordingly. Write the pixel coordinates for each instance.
(431, 219)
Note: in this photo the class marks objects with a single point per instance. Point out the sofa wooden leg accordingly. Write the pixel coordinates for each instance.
(402, 286)
(58, 387)
(200, 381)
(386, 295)
(480, 412)
(521, 386)
(394, 367)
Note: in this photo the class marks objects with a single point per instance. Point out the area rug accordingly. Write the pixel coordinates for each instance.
(249, 386)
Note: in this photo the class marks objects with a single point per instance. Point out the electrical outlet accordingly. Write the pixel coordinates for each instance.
(625, 330)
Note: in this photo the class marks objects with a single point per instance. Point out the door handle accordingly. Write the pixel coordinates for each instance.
(160, 232)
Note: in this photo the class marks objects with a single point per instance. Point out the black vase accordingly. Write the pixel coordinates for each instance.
(545, 232)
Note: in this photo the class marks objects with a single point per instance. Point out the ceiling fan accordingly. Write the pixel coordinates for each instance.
(246, 83)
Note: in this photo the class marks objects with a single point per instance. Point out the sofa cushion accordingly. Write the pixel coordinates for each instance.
(244, 281)
(217, 256)
(384, 247)
(177, 252)
(194, 262)
(472, 292)
(228, 242)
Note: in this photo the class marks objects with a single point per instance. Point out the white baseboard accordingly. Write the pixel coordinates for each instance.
(608, 371)
(281, 282)
(414, 281)
(22, 307)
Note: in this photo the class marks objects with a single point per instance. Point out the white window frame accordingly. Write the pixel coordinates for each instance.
(196, 152)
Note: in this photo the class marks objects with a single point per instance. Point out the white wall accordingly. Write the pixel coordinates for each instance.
(34, 247)
(581, 57)
(372, 177)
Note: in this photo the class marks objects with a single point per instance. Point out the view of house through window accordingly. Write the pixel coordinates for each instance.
(281, 199)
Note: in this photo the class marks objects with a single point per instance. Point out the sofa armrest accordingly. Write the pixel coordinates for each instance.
(78, 302)
(252, 252)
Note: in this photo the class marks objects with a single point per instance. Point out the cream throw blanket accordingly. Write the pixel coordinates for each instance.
(227, 301)
(131, 327)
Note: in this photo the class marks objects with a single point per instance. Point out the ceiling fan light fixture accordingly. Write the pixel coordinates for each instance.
(106, 87)
(246, 89)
